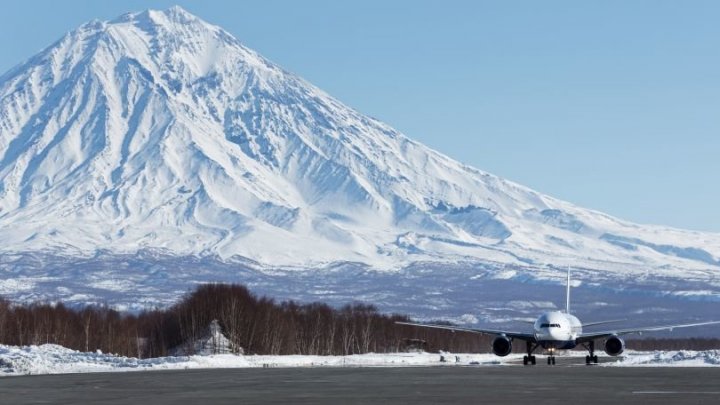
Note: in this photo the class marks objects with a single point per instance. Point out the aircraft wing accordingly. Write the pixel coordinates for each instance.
(602, 322)
(586, 337)
(513, 335)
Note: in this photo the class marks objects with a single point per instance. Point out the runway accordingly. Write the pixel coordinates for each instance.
(540, 384)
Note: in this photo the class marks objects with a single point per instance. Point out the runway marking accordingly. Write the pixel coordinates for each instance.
(676, 392)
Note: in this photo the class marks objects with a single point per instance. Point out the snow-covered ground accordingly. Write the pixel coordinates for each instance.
(54, 359)
(683, 358)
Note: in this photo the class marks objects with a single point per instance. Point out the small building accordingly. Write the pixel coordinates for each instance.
(414, 345)
(212, 342)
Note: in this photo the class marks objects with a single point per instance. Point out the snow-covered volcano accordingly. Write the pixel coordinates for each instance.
(158, 131)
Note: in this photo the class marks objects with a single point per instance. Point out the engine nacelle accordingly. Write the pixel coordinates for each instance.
(502, 346)
(614, 346)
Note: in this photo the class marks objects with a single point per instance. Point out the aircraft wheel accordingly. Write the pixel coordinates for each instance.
(595, 359)
(525, 360)
(532, 360)
(587, 359)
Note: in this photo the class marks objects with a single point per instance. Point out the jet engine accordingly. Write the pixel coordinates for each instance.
(614, 346)
(501, 346)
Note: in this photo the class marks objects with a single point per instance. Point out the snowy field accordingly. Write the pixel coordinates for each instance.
(54, 359)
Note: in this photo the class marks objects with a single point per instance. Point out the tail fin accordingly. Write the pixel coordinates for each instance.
(567, 300)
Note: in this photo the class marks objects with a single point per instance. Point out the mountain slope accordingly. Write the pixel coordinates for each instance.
(159, 131)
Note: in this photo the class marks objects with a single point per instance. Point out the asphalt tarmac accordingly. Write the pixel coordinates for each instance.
(540, 384)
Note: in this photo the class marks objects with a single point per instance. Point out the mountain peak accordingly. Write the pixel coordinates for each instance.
(179, 14)
(174, 18)
(158, 130)
(175, 14)
(172, 44)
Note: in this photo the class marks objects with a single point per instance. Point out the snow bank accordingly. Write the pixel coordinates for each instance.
(54, 359)
(680, 358)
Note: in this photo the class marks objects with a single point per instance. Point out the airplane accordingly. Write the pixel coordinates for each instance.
(557, 330)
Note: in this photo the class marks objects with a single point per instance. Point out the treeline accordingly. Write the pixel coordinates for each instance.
(258, 325)
(673, 344)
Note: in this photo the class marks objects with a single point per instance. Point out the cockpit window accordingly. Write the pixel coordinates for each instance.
(550, 325)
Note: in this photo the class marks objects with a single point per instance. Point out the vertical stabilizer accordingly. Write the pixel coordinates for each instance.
(567, 294)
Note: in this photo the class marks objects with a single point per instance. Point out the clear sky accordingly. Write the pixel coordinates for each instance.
(612, 105)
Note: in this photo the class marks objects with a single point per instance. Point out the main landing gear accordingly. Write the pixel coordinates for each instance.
(592, 358)
(529, 359)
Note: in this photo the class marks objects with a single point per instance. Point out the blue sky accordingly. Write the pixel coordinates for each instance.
(612, 105)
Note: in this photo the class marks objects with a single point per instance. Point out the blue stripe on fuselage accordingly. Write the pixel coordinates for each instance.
(557, 344)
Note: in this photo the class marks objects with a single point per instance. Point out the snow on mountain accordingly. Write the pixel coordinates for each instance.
(158, 131)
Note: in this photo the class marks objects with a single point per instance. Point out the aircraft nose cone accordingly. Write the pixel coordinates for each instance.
(557, 334)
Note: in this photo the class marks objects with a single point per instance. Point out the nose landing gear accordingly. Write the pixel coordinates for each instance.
(551, 357)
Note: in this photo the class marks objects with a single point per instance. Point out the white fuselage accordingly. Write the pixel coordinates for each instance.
(557, 330)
